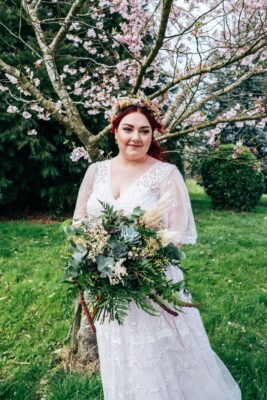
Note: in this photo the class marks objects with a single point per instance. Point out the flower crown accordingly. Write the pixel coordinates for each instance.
(140, 101)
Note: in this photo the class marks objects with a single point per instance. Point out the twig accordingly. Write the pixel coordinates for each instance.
(86, 313)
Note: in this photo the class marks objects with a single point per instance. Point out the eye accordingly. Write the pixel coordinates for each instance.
(146, 132)
(127, 129)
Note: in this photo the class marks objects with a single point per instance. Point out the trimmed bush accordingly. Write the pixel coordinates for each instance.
(232, 177)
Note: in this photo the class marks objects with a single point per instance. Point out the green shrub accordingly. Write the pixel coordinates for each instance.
(36, 171)
(232, 177)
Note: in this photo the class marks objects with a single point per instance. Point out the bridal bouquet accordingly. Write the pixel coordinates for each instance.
(118, 259)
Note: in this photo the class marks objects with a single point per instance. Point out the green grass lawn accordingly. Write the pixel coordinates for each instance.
(226, 271)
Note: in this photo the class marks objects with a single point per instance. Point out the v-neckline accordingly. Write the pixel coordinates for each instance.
(132, 184)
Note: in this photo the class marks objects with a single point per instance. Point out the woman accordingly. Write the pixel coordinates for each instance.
(151, 357)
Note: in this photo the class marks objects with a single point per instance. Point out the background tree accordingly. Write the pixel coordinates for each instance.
(252, 133)
(190, 43)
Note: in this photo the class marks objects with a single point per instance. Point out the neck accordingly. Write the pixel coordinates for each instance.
(125, 161)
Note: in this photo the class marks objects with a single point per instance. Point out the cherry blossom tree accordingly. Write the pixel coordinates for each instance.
(94, 51)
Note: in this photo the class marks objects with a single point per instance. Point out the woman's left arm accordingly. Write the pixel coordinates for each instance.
(179, 214)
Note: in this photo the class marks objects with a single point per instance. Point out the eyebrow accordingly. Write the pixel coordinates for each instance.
(146, 126)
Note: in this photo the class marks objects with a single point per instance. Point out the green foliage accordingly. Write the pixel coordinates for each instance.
(36, 171)
(233, 181)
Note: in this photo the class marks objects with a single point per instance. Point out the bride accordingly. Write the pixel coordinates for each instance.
(151, 357)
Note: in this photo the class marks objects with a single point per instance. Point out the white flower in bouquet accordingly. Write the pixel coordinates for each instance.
(118, 272)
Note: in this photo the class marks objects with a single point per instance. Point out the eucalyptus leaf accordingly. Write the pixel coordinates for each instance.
(138, 212)
(69, 229)
(105, 265)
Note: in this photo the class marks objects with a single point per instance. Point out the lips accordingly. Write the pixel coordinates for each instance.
(134, 145)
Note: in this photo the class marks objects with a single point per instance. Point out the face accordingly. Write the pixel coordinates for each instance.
(134, 135)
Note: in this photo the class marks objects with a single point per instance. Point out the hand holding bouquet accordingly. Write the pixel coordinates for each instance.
(118, 259)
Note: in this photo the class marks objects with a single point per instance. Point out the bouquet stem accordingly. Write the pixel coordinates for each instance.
(87, 313)
(169, 310)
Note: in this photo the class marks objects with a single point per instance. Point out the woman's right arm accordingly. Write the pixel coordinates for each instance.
(85, 191)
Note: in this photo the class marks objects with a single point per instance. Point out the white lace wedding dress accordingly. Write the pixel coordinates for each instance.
(155, 357)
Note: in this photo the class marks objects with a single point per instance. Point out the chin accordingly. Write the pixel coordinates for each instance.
(135, 155)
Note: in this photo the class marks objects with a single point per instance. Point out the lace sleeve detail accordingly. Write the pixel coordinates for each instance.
(85, 191)
(179, 216)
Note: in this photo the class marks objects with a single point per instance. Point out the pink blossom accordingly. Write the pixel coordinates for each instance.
(230, 113)
(32, 132)
(93, 112)
(12, 79)
(26, 115)
(74, 38)
(91, 33)
(247, 61)
(3, 88)
(78, 91)
(75, 26)
(38, 63)
(221, 126)
(211, 135)
(84, 79)
(36, 107)
(36, 81)
(44, 116)
(239, 124)
(258, 3)
(87, 45)
(78, 153)
(25, 92)
(12, 109)
(195, 118)
(251, 123)
(92, 50)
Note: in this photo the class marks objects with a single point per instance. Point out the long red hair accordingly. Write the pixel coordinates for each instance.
(154, 149)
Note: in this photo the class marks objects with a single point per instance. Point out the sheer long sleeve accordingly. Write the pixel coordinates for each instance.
(85, 190)
(179, 215)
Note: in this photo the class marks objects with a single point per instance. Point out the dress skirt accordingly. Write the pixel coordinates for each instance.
(162, 357)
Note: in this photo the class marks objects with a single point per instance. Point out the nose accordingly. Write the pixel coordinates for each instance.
(136, 136)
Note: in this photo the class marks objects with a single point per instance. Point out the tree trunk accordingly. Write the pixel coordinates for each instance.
(83, 342)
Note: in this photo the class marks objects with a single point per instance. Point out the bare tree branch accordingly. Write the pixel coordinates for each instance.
(24, 82)
(66, 25)
(196, 20)
(210, 124)
(73, 125)
(20, 38)
(102, 133)
(217, 93)
(166, 8)
(173, 108)
(71, 110)
(209, 68)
